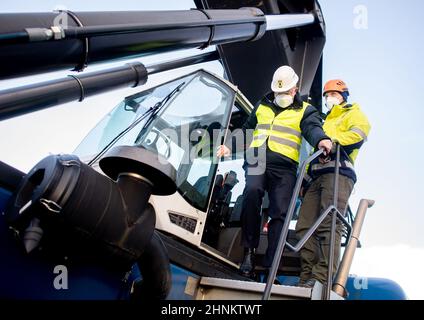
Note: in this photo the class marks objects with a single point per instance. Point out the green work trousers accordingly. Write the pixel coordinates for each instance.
(315, 254)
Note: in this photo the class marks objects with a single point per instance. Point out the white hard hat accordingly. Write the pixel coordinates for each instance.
(284, 79)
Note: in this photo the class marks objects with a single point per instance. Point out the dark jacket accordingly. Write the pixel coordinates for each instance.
(311, 126)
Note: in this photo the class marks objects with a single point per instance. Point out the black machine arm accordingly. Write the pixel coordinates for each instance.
(21, 100)
(41, 42)
(87, 37)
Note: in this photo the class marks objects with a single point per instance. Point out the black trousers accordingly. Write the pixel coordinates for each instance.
(279, 183)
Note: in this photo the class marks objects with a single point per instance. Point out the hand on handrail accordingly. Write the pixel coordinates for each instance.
(302, 192)
(223, 151)
(326, 145)
(324, 159)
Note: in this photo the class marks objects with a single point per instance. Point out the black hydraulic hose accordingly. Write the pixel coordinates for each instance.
(14, 37)
(95, 31)
(155, 269)
(175, 64)
(108, 30)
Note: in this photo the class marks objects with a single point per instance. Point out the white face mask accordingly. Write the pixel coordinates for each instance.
(284, 100)
(331, 102)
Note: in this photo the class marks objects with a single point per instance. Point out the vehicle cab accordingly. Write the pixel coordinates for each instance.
(193, 115)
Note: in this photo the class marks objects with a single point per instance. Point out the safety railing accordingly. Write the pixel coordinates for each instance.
(348, 232)
(333, 226)
(349, 252)
(315, 226)
(284, 232)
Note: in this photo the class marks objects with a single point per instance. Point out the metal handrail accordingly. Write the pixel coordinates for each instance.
(333, 226)
(350, 220)
(350, 214)
(311, 231)
(284, 232)
(346, 262)
(331, 209)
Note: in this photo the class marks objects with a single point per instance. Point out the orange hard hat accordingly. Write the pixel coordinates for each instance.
(335, 85)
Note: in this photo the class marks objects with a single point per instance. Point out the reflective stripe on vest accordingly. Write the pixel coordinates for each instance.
(283, 131)
(283, 141)
(360, 132)
(288, 130)
(332, 164)
(263, 127)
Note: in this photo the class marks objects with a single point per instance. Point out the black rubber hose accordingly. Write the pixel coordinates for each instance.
(13, 38)
(155, 269)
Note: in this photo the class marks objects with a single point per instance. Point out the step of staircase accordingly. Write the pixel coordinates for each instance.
(225, 289)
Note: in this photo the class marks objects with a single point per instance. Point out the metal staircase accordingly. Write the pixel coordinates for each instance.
(207, 288)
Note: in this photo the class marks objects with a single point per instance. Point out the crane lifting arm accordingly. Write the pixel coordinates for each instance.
(42, 42)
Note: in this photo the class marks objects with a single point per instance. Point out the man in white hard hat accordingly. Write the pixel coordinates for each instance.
(279, 121)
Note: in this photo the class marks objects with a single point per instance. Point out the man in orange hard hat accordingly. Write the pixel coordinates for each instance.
(346, 124)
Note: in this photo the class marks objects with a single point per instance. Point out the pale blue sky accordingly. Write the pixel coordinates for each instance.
(383, 67)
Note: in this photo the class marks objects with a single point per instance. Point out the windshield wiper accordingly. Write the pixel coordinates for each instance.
(149, 114)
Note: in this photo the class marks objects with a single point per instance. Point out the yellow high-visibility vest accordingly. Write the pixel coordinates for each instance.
(282, 132)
